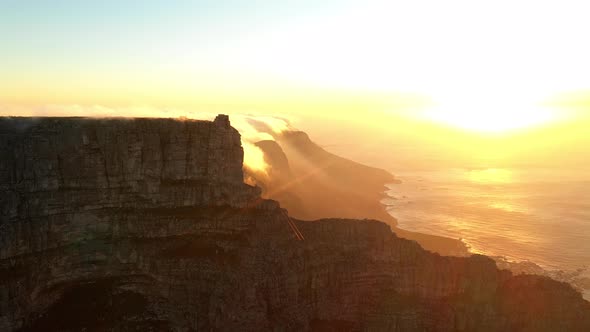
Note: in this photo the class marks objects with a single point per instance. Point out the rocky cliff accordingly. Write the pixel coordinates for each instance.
(146, 224)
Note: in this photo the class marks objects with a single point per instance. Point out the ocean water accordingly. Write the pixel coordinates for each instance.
(523, 215)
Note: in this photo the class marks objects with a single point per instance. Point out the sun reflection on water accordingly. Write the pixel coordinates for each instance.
(504, 206)
(491, 176)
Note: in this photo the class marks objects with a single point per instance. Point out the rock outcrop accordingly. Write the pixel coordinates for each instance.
(146, 225)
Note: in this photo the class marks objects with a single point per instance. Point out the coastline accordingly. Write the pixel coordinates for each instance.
(578, 278)
(313, 183)
(445, 246)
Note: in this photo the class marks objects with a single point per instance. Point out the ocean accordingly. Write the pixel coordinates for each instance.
(516, 215)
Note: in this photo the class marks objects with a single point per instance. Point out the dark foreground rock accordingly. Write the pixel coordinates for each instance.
(146, 225)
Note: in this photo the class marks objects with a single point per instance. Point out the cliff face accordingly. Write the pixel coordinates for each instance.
(91, 163)
(146, 225)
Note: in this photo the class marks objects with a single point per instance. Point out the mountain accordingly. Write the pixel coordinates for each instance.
(312, 183)
(147, 225)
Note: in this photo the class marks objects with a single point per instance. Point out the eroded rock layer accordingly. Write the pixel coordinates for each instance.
(146, 224)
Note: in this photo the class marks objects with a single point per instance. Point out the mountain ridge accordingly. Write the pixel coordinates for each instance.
(147, 225)
(312, 183)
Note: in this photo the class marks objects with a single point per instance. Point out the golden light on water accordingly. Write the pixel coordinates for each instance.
(504, 206)
(491, 176)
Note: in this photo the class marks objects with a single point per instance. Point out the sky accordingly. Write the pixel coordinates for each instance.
(487, 67)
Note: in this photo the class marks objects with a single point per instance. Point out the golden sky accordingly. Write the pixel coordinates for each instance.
(483, 68)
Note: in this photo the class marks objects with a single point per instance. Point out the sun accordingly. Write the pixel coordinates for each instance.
(489, 115)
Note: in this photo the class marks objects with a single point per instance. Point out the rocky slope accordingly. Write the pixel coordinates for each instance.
(146, 225)
(312, 183)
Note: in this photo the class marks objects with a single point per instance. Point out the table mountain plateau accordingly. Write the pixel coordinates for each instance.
(147, 225)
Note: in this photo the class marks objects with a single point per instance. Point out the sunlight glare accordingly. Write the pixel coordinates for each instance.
(254, 158)
(481, 113)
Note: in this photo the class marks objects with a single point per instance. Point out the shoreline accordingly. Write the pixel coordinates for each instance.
(579, 279)
(442, 245)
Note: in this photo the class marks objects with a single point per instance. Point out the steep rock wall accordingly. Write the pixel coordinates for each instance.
(105, 239)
